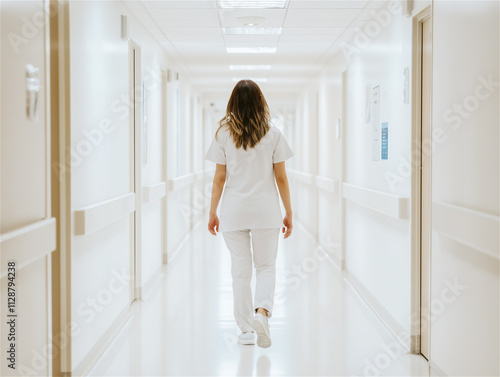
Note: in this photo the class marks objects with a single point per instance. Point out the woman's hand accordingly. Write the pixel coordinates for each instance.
(288, 226)
(217, 187)
(213, 224)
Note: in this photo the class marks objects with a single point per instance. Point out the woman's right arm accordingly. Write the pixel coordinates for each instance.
(284, 189)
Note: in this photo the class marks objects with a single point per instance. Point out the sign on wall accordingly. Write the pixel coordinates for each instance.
(385, 141)
(144, 126)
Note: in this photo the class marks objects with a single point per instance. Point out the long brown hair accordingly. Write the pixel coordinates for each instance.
(247, 115)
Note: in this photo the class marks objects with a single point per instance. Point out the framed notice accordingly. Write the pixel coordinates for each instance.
(144, 126)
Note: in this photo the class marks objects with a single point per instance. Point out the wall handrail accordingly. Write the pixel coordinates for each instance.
(379, 201)
(96, 216)
(28, 243)
(151, 193)
(300, 176)
(326, 184)
(476, 229)
(322, 183)
(183, 181)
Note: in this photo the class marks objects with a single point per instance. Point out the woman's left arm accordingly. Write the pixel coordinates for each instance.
(217, 187)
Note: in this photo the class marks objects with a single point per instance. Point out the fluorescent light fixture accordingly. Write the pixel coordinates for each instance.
(262, 79)
(251, 50)
(252, 30)
(249, 67)
(273, 4)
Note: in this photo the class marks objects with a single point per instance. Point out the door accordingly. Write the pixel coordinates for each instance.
(27, 226)
(425, 216)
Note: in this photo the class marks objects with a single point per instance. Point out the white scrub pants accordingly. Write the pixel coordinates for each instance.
(265, 248)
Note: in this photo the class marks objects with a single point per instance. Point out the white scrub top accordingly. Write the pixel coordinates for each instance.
(250, 199)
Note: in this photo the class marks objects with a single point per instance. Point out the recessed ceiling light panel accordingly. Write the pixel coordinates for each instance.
(252, 30)
(251, 50)
(254, 4)
(249, 67)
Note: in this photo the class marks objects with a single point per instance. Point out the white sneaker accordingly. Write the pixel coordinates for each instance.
(246, 338)
(261, 327)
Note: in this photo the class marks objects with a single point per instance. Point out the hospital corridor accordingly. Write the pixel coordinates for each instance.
(349, 148)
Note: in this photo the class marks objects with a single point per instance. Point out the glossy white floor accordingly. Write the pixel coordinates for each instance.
(320, 326)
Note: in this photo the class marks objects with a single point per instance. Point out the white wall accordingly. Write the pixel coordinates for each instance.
(305, 148)
(330, 159)
(378, 249)
(99, 90)
(185, 124)
(377, 246)
(177, 220)
(465, 173)
(99, 76)
(185, 138)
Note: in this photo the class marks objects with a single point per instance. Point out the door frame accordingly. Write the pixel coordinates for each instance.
(416, 179)
(59, 86)
(164, 99)
(343, 177)
(135, 168)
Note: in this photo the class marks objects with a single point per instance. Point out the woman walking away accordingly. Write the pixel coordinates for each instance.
(250, 154)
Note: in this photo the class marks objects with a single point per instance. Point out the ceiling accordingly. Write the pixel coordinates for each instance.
(311, 32)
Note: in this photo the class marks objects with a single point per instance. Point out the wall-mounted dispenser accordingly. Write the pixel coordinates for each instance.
(32, 90)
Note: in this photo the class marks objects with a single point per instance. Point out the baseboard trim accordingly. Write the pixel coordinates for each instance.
(138, 293)
(408, 342)
(435, 371)
(415, 344)
(152, 282)
(307, 232)
(170, 257)
(92, 358)
(331, 257)
(379, 311)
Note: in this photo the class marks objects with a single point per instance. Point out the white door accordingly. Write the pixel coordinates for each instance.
(27, 229)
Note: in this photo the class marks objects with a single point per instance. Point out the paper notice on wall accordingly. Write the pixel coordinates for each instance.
(376, 147)
(144, 126)
(385, 141)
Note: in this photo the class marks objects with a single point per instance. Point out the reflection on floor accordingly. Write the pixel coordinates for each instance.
(320, 327)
